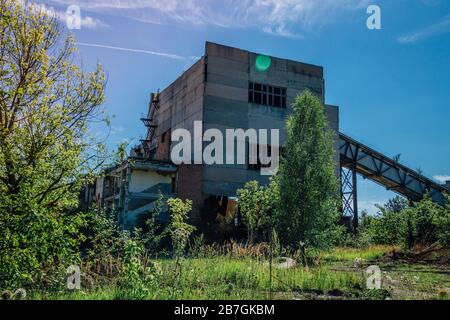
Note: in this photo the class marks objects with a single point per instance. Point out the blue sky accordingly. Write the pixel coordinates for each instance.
(392, 85)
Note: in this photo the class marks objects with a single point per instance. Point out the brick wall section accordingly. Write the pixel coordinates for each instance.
(189, 187)
(163, 149)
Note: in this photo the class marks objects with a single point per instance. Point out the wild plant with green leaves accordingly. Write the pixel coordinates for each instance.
(179, 229)
(133, 284)
(100, 235)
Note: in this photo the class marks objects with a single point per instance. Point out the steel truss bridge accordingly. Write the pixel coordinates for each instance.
(357, 158)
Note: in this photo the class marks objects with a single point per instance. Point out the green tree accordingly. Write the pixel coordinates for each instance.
(308, 213)
(46, 105)
(396, 204)
(424, 222)
(389, 226)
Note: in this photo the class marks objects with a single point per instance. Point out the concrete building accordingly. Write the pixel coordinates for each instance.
(227, 88)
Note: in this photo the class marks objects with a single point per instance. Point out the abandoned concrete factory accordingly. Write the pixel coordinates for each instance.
(233, 88)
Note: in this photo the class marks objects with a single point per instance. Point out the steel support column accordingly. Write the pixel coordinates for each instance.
(349, 196)
(355, 201)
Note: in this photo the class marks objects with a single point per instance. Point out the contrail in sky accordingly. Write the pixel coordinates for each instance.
(155, 53)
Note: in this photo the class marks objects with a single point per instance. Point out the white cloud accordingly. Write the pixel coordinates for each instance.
(436, 29)
(281, 31)
(442, 178)
(92, 23)
(279, 17)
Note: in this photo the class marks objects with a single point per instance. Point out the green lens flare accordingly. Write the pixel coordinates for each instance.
(263, 63)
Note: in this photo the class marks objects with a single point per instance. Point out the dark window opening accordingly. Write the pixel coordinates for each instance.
(267, 95)
(257, 98)
(277, 101)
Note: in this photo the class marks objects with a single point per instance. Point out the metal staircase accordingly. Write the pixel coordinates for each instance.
(151, 122)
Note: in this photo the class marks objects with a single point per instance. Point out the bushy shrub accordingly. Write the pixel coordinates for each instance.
(101, 236)
(425, 223)
(36, 244)
(386, 228)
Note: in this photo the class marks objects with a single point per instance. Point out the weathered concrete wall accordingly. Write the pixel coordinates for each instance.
(143, 180)
(99, 190)
(163, 149)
